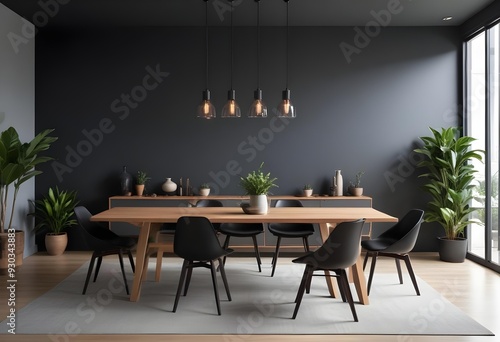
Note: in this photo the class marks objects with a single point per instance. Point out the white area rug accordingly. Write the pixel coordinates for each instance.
(260, 305)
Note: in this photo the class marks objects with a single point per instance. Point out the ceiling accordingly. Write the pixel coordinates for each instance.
(95, 13)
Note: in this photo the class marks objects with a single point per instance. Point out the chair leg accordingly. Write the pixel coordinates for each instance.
(308, 272)
(342, 293)
(89, 273)
(131, 259)
(214, 283)
(181, 283)
(275, 257)
(225, 246)
(305, 241)
(120, 257)
(412, 275)
(372, 270)
(97, 268)
(224, 279)
(159, 260)
(347, 292)
(365, 261)
(398, 267)
(188, 277)
(257, 254)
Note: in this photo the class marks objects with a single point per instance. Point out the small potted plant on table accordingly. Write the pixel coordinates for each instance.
(257, 185)
(307, 191)
(355, 188)
(204, 189)
(140, 182)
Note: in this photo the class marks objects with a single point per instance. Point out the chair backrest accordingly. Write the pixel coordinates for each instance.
(288, 203)
(341, 248)
(208, 203)
(404, 233)
(95, 234)
(196, 239)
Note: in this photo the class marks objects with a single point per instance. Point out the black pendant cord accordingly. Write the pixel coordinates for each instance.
(258, 44)
(206, 44)
(287, 29)
(231, 44)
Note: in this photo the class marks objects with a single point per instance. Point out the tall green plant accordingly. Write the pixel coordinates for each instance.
(17, 165)
(257, 182)
(449, 176)
(55, 210)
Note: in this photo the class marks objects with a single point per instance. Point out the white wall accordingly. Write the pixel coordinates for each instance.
(17, 100)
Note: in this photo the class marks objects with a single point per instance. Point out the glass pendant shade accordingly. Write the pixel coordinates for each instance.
(258, 109)
(231, 109)
(206, 109)
(285, 107)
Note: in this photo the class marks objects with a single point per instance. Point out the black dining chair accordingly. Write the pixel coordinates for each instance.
(103, 242)
(339, 252)
(196, 242)
(243, 230)
(396, 242)
(289, 230)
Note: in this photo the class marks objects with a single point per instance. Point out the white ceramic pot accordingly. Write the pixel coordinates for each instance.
(259, 204)
(168, 186)
(307, 192)
(204, 192)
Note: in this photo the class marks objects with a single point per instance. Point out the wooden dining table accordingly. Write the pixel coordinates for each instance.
(149, 220)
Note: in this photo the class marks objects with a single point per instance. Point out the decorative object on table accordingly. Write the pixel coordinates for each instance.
(180, 188)
(169, 186)
(140, 182)
(126, 182)
(17, 163)
(189, 190)
(355, 188)
(338, 184)
(204, 189)
(55, 213)
(307, 191)
(449, 178)
(257, 185)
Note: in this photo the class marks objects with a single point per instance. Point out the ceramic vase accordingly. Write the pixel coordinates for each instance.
(126, 182)
(169, 186)
(338, 183)
(259, 204)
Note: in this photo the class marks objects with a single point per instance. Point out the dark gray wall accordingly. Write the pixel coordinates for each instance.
(363, 115)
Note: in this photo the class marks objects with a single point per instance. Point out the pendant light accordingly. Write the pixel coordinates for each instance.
(231, 109)
(258, 108)
(285, 107)
(206, 109)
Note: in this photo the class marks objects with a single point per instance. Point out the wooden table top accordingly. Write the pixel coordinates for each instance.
(236, 214)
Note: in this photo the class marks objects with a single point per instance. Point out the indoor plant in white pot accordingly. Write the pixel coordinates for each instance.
(449, 182)
(17, 165)
(55, 212)
(355, 188)
(307, 190)
(257, 185)
(204, 189)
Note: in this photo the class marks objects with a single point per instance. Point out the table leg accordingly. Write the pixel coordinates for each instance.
(142, 246)
(324, 232)
(359, 280)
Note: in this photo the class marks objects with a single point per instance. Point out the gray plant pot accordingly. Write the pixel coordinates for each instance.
(452, 250)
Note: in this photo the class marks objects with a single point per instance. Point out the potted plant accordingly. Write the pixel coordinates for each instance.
(257, 185)
(449, 182)
(204, 189)
(307, 190)
(140, 182)
(17, 165)
(54, 212)
(355, 188)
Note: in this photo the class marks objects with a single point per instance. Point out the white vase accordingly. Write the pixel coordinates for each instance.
(169, 186)
(259, 204)
(339, 184)
(204, 191)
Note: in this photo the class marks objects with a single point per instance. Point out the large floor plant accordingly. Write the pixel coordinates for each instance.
(450, 176)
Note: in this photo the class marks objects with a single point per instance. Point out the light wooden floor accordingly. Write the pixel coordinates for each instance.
(474, 289)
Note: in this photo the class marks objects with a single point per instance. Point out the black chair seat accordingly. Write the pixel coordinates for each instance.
(243, 230)
(338, 252)
(103, 242)
(396, 242)
(289, 230)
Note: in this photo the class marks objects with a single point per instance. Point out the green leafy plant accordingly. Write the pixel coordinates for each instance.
(17, 165)
(55, 210)
(357, 183)
(307, 187)
(142, 177)
(449, 179)
(258, 183)
(205, 186)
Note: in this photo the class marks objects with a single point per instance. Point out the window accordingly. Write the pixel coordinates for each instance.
(482, 123)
